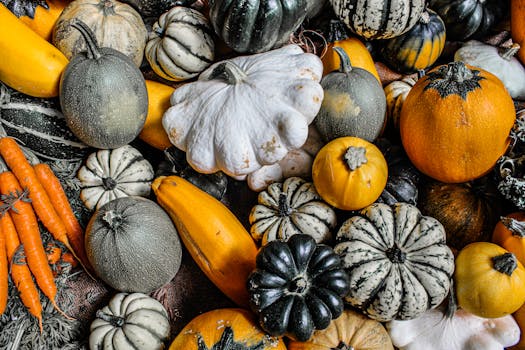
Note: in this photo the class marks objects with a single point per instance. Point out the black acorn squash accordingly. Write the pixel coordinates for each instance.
(297, 287)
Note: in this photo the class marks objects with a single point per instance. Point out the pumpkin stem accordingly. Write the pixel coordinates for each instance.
(396, 255)
(516, 227)
(509, 52)
(346, 65)
(229, 72)
(115, 321)
(107, 7)
(284, 208)
(109, 183)
(458, 71)
(454, 78)
(5, 96)
(93, 51)
(113, 219)
(505, 263)
(298, 285)
(425, 17)
(355, 157)
(343, 346)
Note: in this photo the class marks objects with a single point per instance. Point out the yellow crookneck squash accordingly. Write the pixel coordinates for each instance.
(29, 63)
(517, 25)
(215, 238)
(44, 19)
(153, 132)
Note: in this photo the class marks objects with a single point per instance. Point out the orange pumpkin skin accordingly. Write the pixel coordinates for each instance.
(517, 25)
(511, 237)
(455, 122)
(44, 20)
(213, 326)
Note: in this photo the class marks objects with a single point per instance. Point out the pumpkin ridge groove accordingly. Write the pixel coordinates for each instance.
(384, 17)
(416, 278)
(130, 162)
(147, 327)
(187, 49)
(173, 62)
(375, 291)
(383, 241)
(197, 25)
(127, 339)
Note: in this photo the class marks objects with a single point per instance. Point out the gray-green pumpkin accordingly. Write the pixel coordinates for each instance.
(103, 95)
(133, 245)
(354, 103)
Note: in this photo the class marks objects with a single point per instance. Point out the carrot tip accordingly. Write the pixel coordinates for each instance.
(61, 312)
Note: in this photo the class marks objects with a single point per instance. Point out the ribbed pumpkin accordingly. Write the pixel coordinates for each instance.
(396, 93)
(349, 173)
(115, 24)
(398, 261)
(489, 280)
(225, 329)
(354, 103)
(180, 44)
(378, 19)
(418, 48)
(103, 95)
(509, 233)
(289, 208)
(256, 28)
(455, 122)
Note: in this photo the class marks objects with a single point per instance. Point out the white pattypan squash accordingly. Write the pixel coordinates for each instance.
(440, 329)
(246, 112)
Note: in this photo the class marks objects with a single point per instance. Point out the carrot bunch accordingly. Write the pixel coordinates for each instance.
(34, 193)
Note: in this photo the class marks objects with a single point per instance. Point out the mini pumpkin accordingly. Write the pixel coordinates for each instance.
(455, 122)
(225, 329)
(517, 25)
(115, 24)
(297, 287)
(289, 208)
(277, 93)
(396, 93)
(398, 261)
(489, 280)
(509, 233)
(180, 44)
(130, 321)
(111, 174)
(349, 173)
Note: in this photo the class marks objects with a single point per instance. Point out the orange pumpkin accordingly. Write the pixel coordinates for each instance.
(517, 25)
(44, 19)
(227, 328)
(510, 234)
(455, 122)
(349, 173)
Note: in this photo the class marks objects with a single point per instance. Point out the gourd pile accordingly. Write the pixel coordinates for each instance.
(343, 174)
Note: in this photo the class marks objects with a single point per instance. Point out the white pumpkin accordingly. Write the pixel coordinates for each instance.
(114, 173)
(247, 111)
(130, 321)
(437, 330)
(498, 61)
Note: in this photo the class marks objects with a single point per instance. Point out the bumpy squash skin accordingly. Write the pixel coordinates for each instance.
(213, 235)
(29, 63)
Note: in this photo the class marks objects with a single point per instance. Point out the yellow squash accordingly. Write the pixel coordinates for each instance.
(29, 63)
(153, 132)
(215, 238)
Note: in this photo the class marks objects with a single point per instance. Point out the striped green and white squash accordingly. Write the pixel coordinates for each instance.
(396, 92)
(180, 45)
(378, 19)
(39, 125)
(291, 207)
(398, 262)
(418, 48)
(114, 173)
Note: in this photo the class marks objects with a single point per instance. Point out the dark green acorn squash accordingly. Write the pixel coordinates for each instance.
(297, 287)
(103, 95)
(468, 19)
(354, 103)
(256, 25)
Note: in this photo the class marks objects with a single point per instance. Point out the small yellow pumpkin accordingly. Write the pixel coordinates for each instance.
(489, 280)
(349, 173)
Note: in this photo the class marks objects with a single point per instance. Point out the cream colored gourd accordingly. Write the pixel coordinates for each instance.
(436, 330)
(130, 321)
(499, 61)
(247, 111)
(111, 174)
(396, 92)
(289, 208)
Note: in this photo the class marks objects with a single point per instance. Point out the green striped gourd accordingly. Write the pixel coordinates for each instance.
(378, 19)
(398, 262)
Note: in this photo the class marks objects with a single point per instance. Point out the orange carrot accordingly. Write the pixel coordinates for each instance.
(19, 271)
(26, 226)
(60, 202)
(24, 172)
(4, 279)
(53, 253)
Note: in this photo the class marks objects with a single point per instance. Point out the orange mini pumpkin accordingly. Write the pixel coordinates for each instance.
(509, 233)
(517, 25)
(349, 173)
(43, 20)
(455, 122)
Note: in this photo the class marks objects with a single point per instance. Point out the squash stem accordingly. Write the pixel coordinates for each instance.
(229, 72)
(508, 53)
(458, 71)
(112, 219)
(107, 7)
(343, 346)
(516, 227)
(355, 157)
(425, 17)
(346, 65)
(115, 321)
(284, 208)
(5, 96)
(93, 51)
(505, 263)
